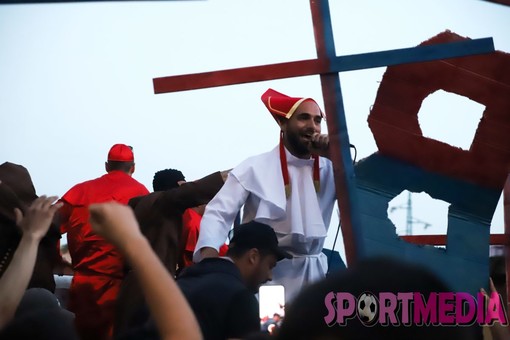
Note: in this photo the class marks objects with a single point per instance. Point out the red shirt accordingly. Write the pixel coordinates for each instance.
(98, 266)
(90, 253)
(190, 230)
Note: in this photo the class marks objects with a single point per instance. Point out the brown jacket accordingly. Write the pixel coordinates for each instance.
(160, 217)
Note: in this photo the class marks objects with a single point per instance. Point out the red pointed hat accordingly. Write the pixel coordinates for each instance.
(281, 105)
(121, 153)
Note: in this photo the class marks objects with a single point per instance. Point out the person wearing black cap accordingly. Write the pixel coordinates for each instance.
(221, 291)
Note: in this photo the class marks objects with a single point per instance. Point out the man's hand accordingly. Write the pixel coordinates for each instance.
(497, 330)
(38, 217)
(115, 222)
(319, 145)
(224, 174)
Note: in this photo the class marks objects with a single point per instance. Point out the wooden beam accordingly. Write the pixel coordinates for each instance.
(412, 55)
(337, 130)
(500, 2)
(242, 75)
(440, 240)
(322, 66)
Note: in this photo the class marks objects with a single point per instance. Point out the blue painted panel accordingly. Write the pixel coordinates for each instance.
(335, 262)
(464, 265)
(411, 55)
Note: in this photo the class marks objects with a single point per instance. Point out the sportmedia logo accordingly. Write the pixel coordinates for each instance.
(437, 309)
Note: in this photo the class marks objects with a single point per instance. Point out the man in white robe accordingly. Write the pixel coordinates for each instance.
(291, 188)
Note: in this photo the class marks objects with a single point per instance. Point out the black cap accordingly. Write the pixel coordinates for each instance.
(257, 235)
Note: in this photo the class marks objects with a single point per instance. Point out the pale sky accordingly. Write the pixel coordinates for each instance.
(76, 78)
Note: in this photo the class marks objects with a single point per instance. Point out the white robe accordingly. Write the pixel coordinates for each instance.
(300, 222)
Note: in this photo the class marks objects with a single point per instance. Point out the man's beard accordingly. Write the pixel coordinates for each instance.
(296, 144)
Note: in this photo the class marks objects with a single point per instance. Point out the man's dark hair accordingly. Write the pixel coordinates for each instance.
(167, 179)
(120, 166)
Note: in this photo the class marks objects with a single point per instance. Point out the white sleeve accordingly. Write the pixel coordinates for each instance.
(219, 215)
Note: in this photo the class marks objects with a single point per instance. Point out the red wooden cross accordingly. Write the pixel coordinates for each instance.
(327, 65)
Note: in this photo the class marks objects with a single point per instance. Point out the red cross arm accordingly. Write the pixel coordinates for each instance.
(321, 66)
(239, 75)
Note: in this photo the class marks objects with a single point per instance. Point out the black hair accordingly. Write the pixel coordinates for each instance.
(167, 179)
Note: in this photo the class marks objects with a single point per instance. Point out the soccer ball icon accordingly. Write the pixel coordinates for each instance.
(367, 308)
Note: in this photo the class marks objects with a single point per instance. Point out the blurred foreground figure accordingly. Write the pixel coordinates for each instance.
(317, 312)
(34, 313)
(18, 192)
(40, 317)
(172, 314)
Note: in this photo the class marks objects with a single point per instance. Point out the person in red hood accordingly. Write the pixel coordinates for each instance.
(97, 265)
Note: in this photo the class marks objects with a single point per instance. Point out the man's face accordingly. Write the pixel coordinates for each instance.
(299, 129)
(262, 271)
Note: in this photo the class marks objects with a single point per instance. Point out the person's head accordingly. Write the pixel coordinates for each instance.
(254, 249)
(121, 158)
(167, 179)
(300, 127)
(305, 316)
(299, 119)
(40, 316)
(17, 191)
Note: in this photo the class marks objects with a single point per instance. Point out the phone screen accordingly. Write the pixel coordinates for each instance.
(271, 307)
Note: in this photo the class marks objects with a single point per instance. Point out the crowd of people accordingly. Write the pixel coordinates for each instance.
(175, 263)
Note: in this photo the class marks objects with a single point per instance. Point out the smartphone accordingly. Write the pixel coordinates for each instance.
(271, 307)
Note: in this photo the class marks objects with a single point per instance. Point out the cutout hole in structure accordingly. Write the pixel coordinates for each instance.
(450, 118)
(418, 214)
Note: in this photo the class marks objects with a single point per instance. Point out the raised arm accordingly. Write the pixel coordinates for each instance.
(34, 225)
(218, 218)
(192, 194)
(170, 310)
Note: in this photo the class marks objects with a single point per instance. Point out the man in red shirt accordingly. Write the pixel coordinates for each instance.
(97, 265)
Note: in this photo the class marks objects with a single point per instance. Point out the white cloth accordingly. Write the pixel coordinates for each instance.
(300, 222)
